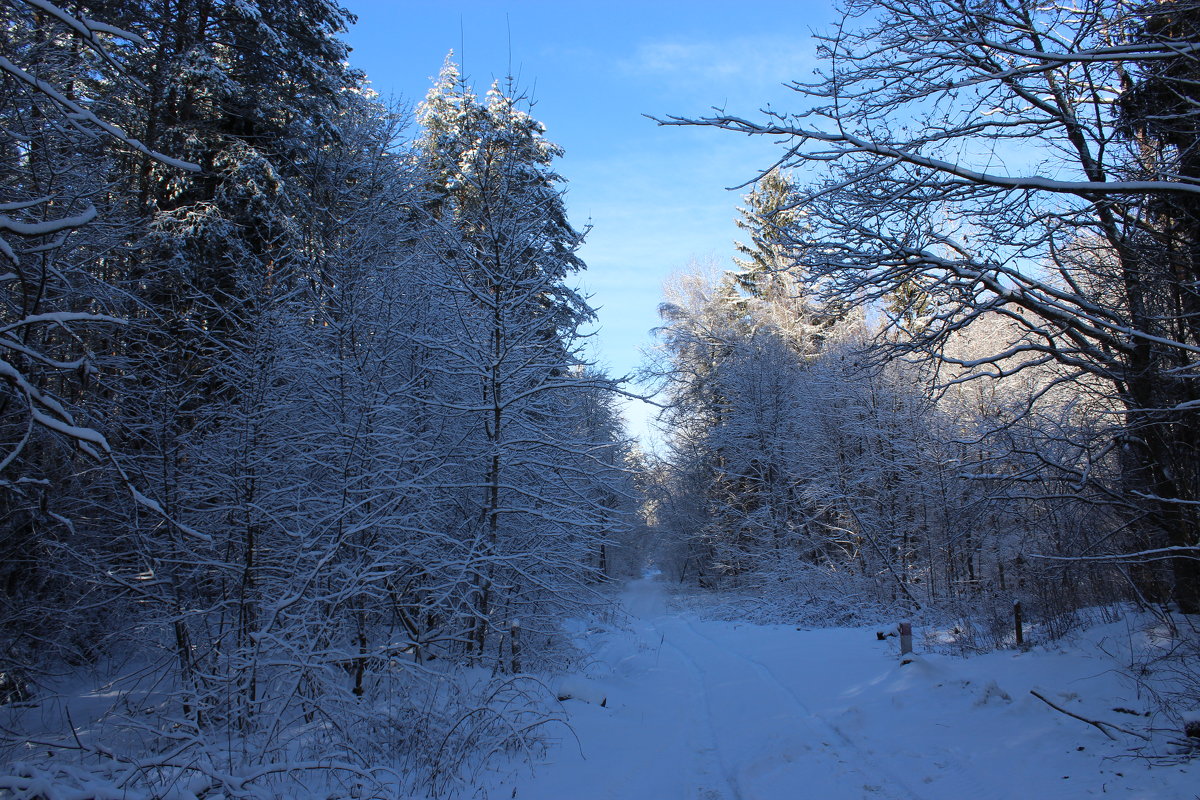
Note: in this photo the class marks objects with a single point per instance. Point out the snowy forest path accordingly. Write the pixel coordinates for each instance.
(677, 705)
(674, 712)
(771, 740)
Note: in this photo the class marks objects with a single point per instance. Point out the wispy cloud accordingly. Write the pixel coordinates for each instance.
(742, 62)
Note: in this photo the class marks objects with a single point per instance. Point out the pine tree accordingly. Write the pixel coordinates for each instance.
(771, 268)
(769, 214)
(909, 306)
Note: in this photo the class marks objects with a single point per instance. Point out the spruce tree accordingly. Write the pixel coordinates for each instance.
(768, 216)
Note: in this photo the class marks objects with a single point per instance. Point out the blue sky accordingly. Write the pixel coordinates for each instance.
(656, 197)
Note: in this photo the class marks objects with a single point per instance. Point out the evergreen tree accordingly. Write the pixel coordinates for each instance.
(909, 306)
(769, 215)
(771, 268)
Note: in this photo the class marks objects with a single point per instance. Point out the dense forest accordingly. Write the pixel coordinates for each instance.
(302, 460)
(292, 394)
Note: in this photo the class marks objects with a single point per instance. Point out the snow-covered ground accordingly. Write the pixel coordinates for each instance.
(676, 706)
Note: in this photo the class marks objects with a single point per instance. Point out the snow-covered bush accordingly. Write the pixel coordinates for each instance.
(797, 592)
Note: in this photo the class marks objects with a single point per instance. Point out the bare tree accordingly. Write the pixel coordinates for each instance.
(976, 158)
(508, 357)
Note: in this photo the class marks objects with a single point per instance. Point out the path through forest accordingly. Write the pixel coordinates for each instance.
(676, 706)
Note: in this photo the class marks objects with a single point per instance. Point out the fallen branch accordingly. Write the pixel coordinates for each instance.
(1099, 725)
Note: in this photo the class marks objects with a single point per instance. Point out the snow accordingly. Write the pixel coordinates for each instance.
(49, 226)
(673, 704)
(679, 706)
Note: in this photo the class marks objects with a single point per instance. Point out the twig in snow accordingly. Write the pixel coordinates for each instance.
(1101, 726)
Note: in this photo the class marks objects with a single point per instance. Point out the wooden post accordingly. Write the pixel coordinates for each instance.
(514, 644)
(1018, 623)
(905, 638)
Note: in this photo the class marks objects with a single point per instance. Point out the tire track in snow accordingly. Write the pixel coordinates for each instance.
(645, 601)
(766, 757)
(862, 756)
(727, 774)
(950, 766)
